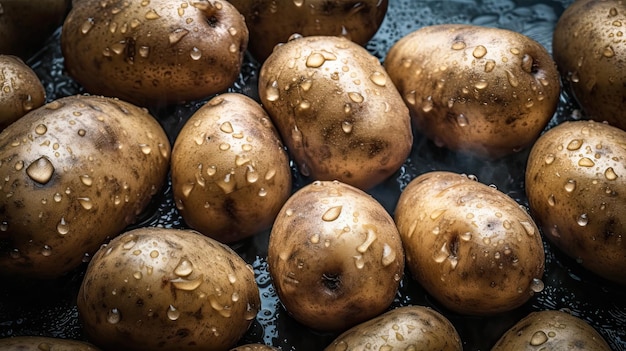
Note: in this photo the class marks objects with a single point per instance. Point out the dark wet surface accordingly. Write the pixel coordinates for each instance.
(49, 309)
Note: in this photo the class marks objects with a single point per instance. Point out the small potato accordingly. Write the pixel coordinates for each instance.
(154, 52)
(335, 256)
(272, 22)
(20, 90)
(591, 54)
(551, 330)
(254, 347)
(415, 328)
(41, 343)
(74, 172)
(576, 188)
(483, 91)
(337, 110)
(230, 172)
(473, 248)
(167, 289)
(26, 24)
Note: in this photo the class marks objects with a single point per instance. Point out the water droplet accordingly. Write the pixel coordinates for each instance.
(529, 228)
(262, 192)
(315, 60)
(187, 285)
(610, 174)
(536, 285)
(389, 255)
(481, 84)
(467, 236)
(378, 78)
(574, 144)
(129, 242)
(586, 162)
(583, 220)
(41, 170)
(272, 92)
(369, 239)
(538, 338)
(172, 313)
(195, 54)
(184, 268)
(512, 79)
(144, 51)
(570, 185)
(251, 175)
(46, 251)
(479, 51)
(346, 126)
(356, 97)
(41, 129)
(145, 149)
(114, 316)
(86, 203)
(458, 45)
(332, 213)
(151, 15)
(359, 262)
(461, 120)
(608, 51)
(549, 159)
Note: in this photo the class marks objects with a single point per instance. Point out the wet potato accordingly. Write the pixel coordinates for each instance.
(482, 91)
(254, 347)
(575, 181)
(27, 343)
(167, 289)
(20, 90)
(473, 248)
(415, 328)
(154, 52)
(551, 330)
(230, 172)
(590, 53)
(336, 109)
(272, 22)
(75, 172)
(335, 256)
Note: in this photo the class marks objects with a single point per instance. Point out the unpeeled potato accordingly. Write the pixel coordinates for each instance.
(41, 343)
(473, 248)
(20, 90)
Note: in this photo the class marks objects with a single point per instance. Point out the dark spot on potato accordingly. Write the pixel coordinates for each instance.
(139, 302)
(453, 246)
(212, 21)
(331, 281)
(230, 208)
(182, 333)
(130, 50)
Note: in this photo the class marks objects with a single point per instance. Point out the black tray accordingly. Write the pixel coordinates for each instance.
(48, 308)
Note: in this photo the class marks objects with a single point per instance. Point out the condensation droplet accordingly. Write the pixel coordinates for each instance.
(549, 159)
(356, 97)
(86, 203)
(272, 92)
(332, 213)
(389, 255)
(41, 170)
(479, 51)
(86, 179)
(570, 185)
(586, 162)
(461, 120)
(458, 45)
(114, 316)
(151, 15)
(172, 313)
(610, 174)
(46, 251)
(184, 268)
(574, 144)
(41, 129)
(529, 228)
(490, 65)
(583, 220)
(538, 338)
(187, 285)
(87, 25)
(315, 60)
(195, 54)
(536, 285)
(346, 126)
(378, 78)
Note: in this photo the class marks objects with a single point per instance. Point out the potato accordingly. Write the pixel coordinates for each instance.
(335, 256)
(551, 330)
(337, 110)
(575, 183)
(26, 24)
(590, 54)
(473, 248)
(167, 289)
(20, 90)
(154, 52)
(74, 172)
(41, 343)
(254, 347)
(477, 90)
(230, 172)
(415, 328)
(272, 22)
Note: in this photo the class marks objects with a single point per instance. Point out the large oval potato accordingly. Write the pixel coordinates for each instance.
(473, 248)
(25, 24)
(478, 90)
(154, 52)
(415, 328)
(20, 90)
(74, 172)
(167, 289)
(590, 53)
(272, 22)
(230, 171)
(335, 256)
(41, 343)
(337, 110)
(551, 330)
(576, 184)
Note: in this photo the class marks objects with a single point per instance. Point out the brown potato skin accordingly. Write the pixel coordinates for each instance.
(575, 180)
(551, 330)
(127, 53)
(591, 55)
(337, 110)
(75, 171)
(231, 185)
(335, 256)
(482, 91)
(415, 328)
(21, 90)
(25, 24)
(272, 22)
(469, 245)
(142, 274)
(36, 343)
